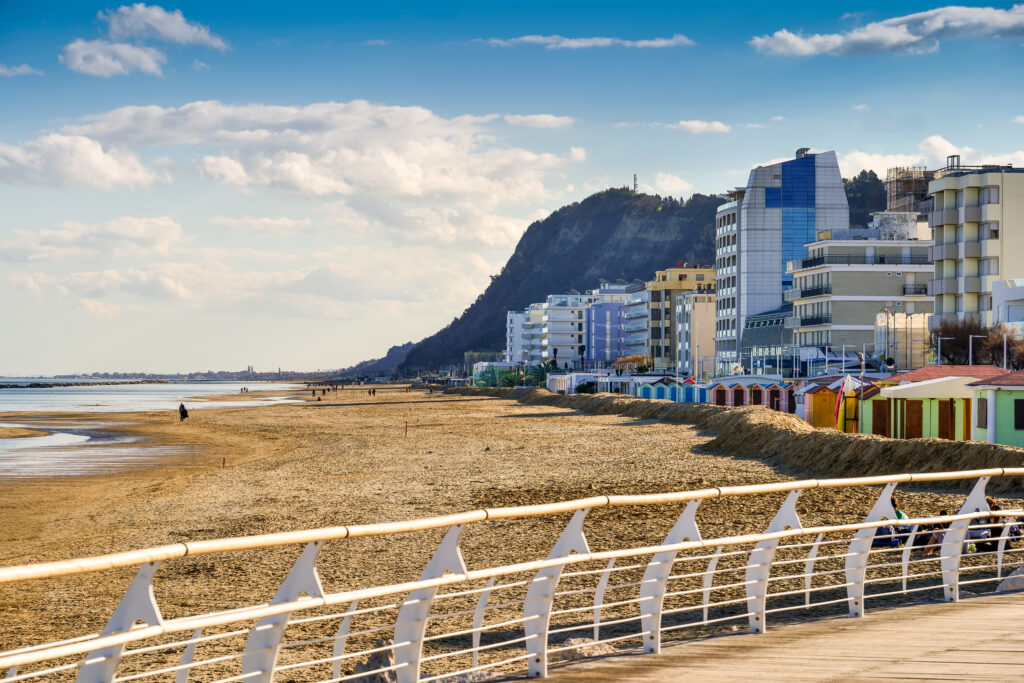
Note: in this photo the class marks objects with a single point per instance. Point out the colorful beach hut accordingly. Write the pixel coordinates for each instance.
(752, 390)
(999, 415)
(667, 388)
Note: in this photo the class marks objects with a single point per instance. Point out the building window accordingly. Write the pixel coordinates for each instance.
(989, 195)
(1018, 414)
(983, 413)
(773, 197)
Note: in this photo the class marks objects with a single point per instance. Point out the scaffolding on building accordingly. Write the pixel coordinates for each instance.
(906, 188)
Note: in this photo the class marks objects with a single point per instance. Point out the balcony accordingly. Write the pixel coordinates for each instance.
(635, 312)
(972, 214)
(816, 320)
(942, 252)
(915, 290)
(972, 285)
(861, 260)
(970, 250)
(794, 294)
(945, 286)
(943, 217)
(635, 326)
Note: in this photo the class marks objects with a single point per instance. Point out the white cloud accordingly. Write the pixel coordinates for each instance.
(700, 127)
(71, 160)
(377, 43)
(562, 43)
(540, 120)
(103, 58)
(860, 107)
(152, 21)
(20, 70)
(672, 185)
(931, 153)
(123, 236)
(281, 226)
(200, 66)
(778, 118)
(914, 33)
(753, 125)
(339, 148)
(1018, 119)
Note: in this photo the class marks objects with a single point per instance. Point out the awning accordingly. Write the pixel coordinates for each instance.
(944, 387)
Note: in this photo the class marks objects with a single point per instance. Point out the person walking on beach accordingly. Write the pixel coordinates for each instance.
(182, 412)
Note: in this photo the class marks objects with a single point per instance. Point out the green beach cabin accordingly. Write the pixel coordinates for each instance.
(999, 416)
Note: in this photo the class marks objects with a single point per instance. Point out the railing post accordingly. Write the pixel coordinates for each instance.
(857, 554)
(138, 602)
(655, 580)
(186, 658)
(412, 617)
(809, 568)
(602, 586)
(478, 619)
(541, 595)
(341, 637)
(953, 541)
(264, 642)
(759, 566)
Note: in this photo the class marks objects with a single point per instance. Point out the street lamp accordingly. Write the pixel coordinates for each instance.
(970, 346)
(940, 347)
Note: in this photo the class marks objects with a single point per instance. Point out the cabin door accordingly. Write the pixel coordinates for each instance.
(947, 419)
(880, 417)
(914, 415)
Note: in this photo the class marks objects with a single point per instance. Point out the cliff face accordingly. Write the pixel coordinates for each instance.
(611, 235)
(379, 366)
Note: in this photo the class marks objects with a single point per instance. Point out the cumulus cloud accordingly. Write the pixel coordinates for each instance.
(152, 21)
(339, 148)
(540, 120)
(913, 33)
(699, 127)
(672, 185)
(103, 58)
(20, 70)
(281, 226)
(555, 42)
(71, 160)
(860, 107)
(931, 153)
(778, 118)
(753, 125)
(200, 66)
(123, 236)
(1018, 119)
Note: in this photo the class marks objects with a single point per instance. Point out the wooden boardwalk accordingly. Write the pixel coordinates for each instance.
(978, 639)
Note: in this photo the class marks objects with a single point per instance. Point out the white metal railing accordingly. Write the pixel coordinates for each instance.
(498, 618)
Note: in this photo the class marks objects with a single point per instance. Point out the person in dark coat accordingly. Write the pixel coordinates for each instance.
(182, 412)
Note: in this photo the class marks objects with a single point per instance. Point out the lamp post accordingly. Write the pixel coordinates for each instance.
(970, 346)
(940, 347)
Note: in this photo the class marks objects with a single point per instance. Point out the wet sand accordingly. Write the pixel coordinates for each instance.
(346, 460)
(20, 432)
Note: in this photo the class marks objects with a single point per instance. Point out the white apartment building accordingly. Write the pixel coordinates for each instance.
(765, 224)
(842, 286)
(515, 343)
(978, 222)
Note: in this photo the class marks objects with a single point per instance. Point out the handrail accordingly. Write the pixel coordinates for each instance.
(188, 548)
(185, 624)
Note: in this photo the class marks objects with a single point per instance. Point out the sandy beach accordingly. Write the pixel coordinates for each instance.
(347, 460)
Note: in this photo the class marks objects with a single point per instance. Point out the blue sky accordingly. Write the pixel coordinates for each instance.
(215, 185)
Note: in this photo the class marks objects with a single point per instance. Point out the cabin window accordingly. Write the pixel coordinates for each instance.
(1018, 413)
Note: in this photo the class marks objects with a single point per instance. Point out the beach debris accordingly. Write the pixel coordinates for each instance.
(378, 660)
(580, 648)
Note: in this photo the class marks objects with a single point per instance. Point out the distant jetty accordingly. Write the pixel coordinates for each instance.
(58, 385)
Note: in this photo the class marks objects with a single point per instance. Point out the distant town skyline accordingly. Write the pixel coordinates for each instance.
(188, 184)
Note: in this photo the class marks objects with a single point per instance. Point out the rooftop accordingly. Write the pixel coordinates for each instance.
(930, 372)
(1010, 379)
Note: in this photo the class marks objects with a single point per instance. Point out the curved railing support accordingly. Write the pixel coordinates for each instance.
(541, 594)
(760, 565)
(655, 580)
(860, 548)
(138, 603)
(953, 540)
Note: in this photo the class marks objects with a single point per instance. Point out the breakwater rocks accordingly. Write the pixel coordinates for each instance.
(60, 385)
(788, 442)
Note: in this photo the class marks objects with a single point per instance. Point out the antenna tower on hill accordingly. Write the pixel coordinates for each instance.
(635, 186)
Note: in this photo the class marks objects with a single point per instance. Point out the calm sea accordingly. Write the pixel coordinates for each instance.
(120, 398)
(73, 447)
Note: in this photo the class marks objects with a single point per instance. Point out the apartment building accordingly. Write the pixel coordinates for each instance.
(842, 285)
(764, 225)
(977, 218)
(664, 290)
(695, 332)
(515, 342)
(636, 323)
(604, 320)
(768, 343)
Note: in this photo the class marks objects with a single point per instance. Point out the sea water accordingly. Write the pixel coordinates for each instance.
(80, 447)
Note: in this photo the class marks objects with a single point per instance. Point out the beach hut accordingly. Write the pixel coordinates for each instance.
(685, 390)
(999, 416)
(833, 402)
(935, 408)
(745, 390)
